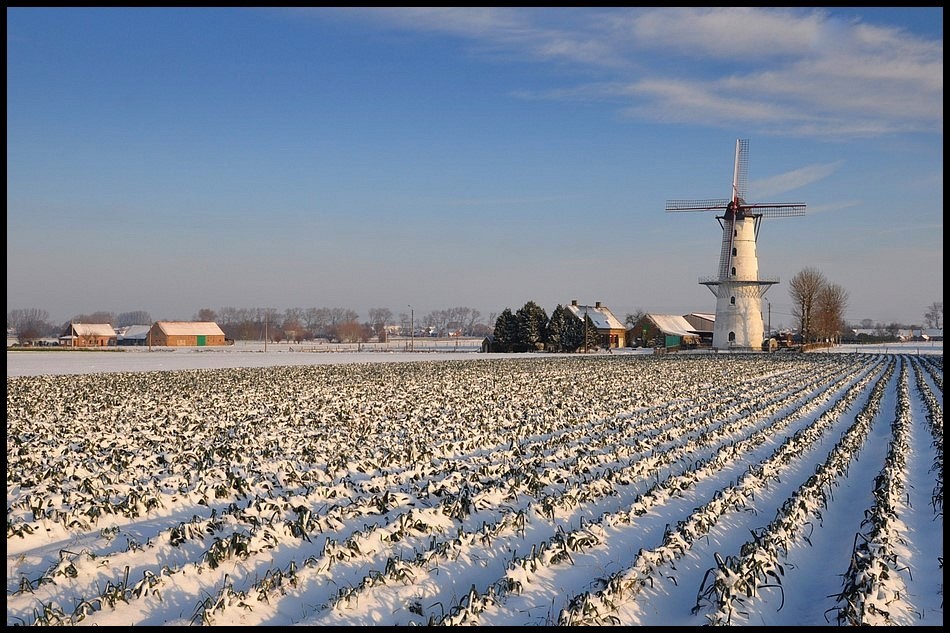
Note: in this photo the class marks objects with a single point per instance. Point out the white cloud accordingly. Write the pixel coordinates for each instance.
(775, 71)
(792, 180)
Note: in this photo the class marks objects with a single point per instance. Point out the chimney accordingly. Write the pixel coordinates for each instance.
(573, 302)
(597, 304)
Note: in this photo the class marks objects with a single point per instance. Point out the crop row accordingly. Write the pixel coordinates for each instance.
(336, 487)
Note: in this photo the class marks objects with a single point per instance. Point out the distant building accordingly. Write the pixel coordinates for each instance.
(925, 334)
(703, 324)
(132, 335)
(611, 332)
(186, 334)
(88, 335)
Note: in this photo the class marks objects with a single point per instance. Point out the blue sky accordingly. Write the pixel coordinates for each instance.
(172, 159)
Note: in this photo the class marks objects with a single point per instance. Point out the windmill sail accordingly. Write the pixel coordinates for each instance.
(734, 208)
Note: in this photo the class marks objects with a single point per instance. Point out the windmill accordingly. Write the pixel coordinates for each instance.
(737, 286)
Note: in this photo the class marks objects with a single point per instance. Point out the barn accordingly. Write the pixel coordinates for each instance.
(186, 334)
(667, 331)
(88, 335)
(132, 335)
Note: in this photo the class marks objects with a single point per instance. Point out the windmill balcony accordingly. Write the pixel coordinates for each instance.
(715, 279)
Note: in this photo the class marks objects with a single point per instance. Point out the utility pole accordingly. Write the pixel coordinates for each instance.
(411, 328)
(585, 330)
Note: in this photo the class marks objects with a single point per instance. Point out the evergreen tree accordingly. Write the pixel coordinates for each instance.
(573, 337)
(590, 330)
(532, 328)
(506, 331)
(557, 329)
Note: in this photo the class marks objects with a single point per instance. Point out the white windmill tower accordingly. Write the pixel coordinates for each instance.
(738, 287)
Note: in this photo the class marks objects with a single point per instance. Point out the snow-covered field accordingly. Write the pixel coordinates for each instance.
(377, 488)
(255, 354)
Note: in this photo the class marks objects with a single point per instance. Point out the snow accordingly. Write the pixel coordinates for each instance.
(381, 547)
(135, 359)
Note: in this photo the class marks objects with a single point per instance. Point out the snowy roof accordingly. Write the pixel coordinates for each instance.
(134, 331)
(672, 324)
(190, 328)
(602, 317)
(709, 316)
(93, 329)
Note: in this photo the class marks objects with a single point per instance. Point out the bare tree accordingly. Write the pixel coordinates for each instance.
(317, 320)
(439, 321)
(828, 318)
(294, 314)
(378, 318)
(934, 314)
(634, 317)
(350, 331)
(340, 315)
(138, 317)
(227, 315)
(405, 323)
(268, 322)
(206, 314)
(292, 327)
(95, 317)
(803, 289)
(472, 320)
(29, 323)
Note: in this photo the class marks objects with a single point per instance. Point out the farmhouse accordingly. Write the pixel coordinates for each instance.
(186, 334)
(88, 335)
(611, 332)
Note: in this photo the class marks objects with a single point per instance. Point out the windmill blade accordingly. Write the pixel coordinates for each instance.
(741, 175)
(697, 205)
(775, 209)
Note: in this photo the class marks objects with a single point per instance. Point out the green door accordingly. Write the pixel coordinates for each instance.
(201, 340)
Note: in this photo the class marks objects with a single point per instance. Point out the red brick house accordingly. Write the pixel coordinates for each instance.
(88, 335)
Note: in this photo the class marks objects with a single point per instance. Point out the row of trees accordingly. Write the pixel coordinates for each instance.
(295, 324)
(529, 329)
(819, 309)
(341, 324)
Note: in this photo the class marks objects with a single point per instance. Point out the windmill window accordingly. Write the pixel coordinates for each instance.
(733, 252)
(733, 271)
(735, 233)
(732, 337)
(732, 300)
